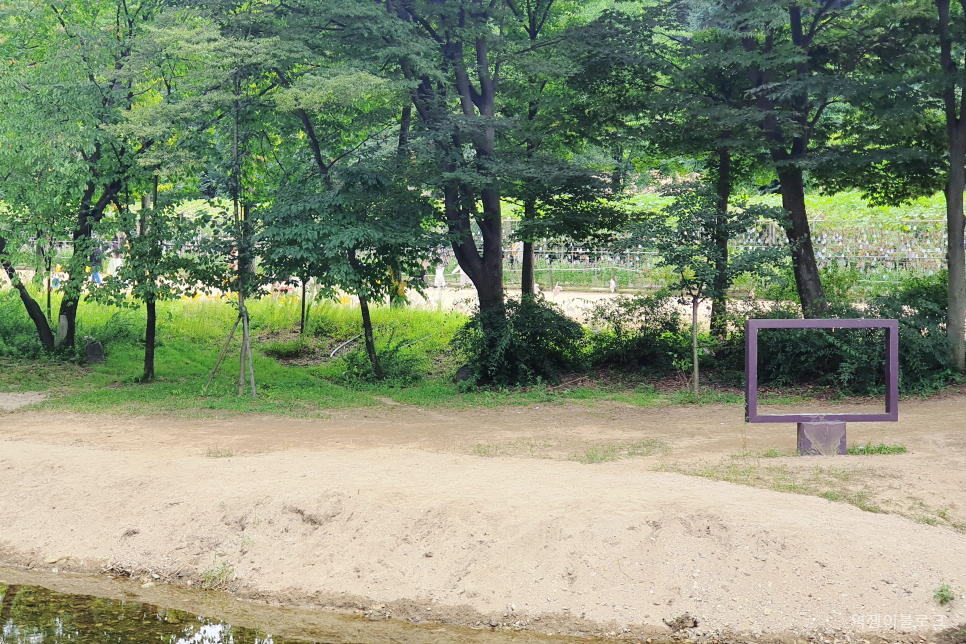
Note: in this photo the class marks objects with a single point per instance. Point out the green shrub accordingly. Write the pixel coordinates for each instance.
(18, 335)
(920, 305)
(841, 284)
(925, 293)
(851, 360)
(641, 332)
(527, 340)
(400, 368)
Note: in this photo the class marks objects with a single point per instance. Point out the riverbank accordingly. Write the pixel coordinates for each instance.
(484, 518)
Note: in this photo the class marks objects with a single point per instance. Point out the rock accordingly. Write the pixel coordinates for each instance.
(464, 373)
(94, 352)
(681, 622)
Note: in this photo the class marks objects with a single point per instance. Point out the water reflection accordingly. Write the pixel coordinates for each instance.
(35, 615)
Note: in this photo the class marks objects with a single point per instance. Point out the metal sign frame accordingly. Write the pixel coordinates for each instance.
(891, 370)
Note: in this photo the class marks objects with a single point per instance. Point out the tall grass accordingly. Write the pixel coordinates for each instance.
(191, 333)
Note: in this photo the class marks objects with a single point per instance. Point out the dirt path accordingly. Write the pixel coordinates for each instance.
(483, 517)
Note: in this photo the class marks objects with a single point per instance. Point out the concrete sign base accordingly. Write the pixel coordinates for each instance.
(821, 439)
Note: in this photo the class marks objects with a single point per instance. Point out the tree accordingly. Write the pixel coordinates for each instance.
(560, 195)
(904, 133)
(783, 43)
(793, 72)
(74, 75)
(686, 234)
(359, 229)
(954, 104)
(455, 57)
(160, 262)
(665, 83)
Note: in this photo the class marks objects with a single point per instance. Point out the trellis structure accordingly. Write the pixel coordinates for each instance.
(876, 250)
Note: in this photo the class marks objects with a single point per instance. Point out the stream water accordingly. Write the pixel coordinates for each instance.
(46, 608)
(35, 615)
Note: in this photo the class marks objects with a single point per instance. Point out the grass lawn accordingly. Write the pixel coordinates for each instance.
(296, 374)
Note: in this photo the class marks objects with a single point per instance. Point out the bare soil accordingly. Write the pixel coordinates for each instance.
(482, 517)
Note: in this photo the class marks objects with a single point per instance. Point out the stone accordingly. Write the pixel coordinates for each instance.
(94, 352)
(821, 439)
(464, 373)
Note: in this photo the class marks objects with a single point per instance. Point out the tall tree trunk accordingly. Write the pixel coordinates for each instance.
(489, 283)
(695, 301)
(955, 255)
(954, 99)
(94, 202)
(150, 300)
(150, 336)
(464, 201)
(405, 123)
(720, 284)
(83, 247)
(617, 174)
(366, 318)
(807, 278)
(526, 278)
(789, 145)
(484, 270)
(34, 311)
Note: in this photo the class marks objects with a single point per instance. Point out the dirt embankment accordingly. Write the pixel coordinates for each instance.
(481, 517)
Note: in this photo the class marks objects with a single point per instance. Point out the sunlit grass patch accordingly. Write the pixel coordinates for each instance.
(527, 447)
(615, 451)
(704, 397)
(839, 484)
(881, 448)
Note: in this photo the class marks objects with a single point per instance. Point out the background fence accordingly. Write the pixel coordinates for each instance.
(879, 253)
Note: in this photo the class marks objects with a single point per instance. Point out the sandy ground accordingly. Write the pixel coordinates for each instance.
(481, 517)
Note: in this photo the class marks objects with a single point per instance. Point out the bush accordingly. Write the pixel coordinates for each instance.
(527, 340)
(400, 368)
(644, 332)
(851, 360)
(925, 293)
(18, 335)
(122, 326)
(841, 284)
(920, 305)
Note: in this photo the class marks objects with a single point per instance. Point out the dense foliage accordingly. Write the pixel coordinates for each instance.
(529, 340)
(644, 333)
(851, 361)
